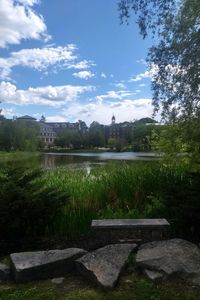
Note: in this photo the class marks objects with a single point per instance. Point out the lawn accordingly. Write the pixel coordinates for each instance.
(130, 287)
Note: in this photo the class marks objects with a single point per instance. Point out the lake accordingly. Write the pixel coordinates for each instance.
(89, 160)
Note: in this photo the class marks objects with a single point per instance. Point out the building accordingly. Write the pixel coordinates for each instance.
(117, 130)
(47, 134)
(26, 118)
(60, 126)
(50, 130)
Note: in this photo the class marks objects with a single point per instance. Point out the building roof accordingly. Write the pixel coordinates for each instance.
(26, 117)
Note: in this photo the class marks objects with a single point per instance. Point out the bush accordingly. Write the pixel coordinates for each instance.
(27, 207)
(182, 206)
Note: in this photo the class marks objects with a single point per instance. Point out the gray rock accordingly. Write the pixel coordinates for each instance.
(28, 266)
(4, 272)
(171, 257)
(58, 280)
(104, 265)
(154, 275)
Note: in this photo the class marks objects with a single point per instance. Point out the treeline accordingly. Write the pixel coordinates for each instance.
(19, 135)
(138, 138)
(25, 136)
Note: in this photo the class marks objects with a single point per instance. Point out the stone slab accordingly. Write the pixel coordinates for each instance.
(103, 266)
(27, 266)
(175, 257)
(129, 223)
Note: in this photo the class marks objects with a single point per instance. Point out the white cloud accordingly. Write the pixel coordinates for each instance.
(28, 2)
(103, 75)
(141, 61)
(102, 112)
(8, 112)
(56, 118)
(19, 21)
(54, 96)
(84, 64)
(120, 85)
(142, 84)
(84, 74)
(147, 74)
(42, 59)
(117, 95)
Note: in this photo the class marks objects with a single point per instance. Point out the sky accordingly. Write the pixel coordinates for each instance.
(71, 60)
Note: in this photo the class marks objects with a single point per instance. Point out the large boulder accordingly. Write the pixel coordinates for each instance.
(103, 266)
(171, 257)
(28, 266)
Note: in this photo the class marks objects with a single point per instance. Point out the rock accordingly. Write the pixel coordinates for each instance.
(154, 275)
(171, 257)
(103, 266)
(4, 272)
(58, 280)
(28, 266)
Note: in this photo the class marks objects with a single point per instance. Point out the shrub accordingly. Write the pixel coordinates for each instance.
(26, 208)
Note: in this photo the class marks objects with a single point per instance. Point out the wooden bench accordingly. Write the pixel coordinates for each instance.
(118, 230)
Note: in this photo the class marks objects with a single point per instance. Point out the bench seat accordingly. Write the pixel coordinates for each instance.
(135, 229)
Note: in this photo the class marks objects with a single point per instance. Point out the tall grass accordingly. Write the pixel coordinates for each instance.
(62, 203)
(131, 191)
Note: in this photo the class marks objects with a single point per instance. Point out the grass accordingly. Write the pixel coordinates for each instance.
(16, 156)
(131, 191)
(130, 287)
(108, 192)
(122, 190)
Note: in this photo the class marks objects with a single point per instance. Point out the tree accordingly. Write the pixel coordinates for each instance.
(144, 135)
(96, 135)
(175, 60)
(112, 142)
(19, 135)
(6, 135)
(176, 57)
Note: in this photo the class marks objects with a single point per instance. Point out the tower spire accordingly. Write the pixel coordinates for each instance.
(113, 119)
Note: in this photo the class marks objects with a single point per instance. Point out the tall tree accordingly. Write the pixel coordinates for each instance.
(176, 57)
(175, 60)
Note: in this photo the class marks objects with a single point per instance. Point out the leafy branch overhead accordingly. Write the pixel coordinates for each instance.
(176, 55)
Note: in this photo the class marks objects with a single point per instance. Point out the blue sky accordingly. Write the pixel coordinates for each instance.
(71, 60)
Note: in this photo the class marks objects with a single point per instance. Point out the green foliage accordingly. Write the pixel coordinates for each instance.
(37, 291)
(136, 191)
(26, 208)
(150, 14)
(176, 62)
(131, 287)
(180, 143)
(96, 135)
(19, 135)
(62, 203)
(176, 57)
(69, 138)
(112, 143)
(144, 135)
(181, 205)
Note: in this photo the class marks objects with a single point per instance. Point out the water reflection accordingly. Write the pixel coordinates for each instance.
(89, 160)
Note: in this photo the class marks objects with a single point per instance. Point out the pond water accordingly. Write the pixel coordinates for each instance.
(89, 160)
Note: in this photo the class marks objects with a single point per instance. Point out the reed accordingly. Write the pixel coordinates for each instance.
(61, 203)
(131, 191)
